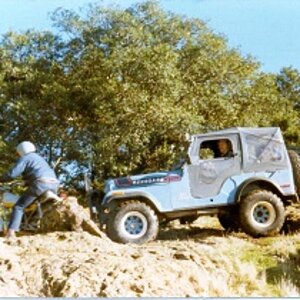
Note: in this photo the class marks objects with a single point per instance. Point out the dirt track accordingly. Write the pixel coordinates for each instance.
(185, 261)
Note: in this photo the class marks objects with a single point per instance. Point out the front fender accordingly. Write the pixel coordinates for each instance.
(121, 194)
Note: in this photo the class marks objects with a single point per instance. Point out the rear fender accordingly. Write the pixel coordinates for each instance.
(257, 183)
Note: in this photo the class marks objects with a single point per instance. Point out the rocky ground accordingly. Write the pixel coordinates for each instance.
(78, 260)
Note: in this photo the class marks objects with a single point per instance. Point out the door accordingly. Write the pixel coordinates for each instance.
(214, 160)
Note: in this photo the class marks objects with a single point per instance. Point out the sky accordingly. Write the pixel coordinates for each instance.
(266, 29)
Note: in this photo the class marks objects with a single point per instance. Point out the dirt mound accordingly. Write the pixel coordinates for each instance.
(68, 215)
(72, 264)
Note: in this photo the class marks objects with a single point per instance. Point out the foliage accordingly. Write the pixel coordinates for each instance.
(115, 91)
(288, 85)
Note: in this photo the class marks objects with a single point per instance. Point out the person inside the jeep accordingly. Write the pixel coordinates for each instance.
(38, 176)
(225, 148)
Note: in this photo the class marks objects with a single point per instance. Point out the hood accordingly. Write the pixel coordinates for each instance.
(147, 179)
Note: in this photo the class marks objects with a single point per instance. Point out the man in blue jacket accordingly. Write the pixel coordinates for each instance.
(38, 176)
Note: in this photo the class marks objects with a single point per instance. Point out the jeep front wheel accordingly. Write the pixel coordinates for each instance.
(261, 213)
(132, 222)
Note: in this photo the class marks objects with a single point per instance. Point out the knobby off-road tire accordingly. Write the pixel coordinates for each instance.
(295, 161)
(261, 213)
(132, 222)
(230, 220)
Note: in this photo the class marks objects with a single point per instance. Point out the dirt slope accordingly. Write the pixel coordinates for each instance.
(185, 261)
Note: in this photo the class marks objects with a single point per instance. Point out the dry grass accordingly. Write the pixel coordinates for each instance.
(238, 265)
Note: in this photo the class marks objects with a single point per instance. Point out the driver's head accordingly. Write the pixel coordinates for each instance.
(25, 148)
(224, 146)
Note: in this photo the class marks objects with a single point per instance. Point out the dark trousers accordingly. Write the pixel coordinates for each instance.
(30, 195)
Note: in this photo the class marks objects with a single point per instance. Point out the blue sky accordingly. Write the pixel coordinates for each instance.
(266, 29)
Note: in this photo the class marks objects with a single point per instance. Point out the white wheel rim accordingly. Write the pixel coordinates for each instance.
(134, 225)
(263, 214)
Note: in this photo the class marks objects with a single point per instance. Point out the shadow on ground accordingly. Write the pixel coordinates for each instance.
(289, 270)
(187, 232)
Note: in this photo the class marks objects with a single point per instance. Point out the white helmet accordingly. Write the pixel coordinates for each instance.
(25, 147)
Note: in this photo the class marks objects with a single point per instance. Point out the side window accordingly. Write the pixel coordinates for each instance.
(264, 149)
(215, 149)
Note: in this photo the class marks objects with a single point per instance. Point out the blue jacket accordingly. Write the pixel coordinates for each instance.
(32, 167)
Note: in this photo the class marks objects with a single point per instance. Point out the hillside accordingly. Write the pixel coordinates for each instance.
(186, 261)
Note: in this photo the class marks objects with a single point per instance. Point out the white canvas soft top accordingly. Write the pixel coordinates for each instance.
(262, 148)
(244, 130)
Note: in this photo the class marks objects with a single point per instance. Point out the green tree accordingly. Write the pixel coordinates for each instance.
(33, 93)
(288, 84)
(146, 77)
(116, 90)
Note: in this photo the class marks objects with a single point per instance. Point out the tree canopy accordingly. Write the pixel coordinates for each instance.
(114, 91)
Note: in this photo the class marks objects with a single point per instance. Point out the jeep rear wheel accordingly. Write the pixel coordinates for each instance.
(132, 222)
(261, 213)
